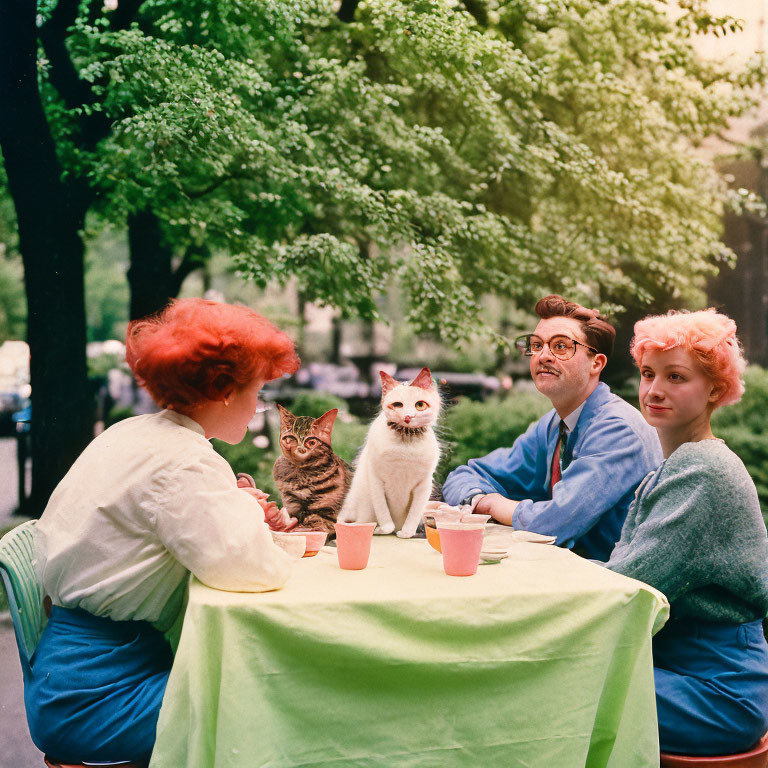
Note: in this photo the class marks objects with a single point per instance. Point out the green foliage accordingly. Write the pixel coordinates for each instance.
(471, 429)
(119, 413)
(315, 404)
(743, 427)
(752, 449)
(106, 288)
(347, 439)
(102, 365)
(750, 412)
(13, 301)
(348, 431)
(697, 19)
(546, 147)
(258, 463)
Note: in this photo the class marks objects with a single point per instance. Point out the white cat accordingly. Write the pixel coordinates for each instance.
(393, 473)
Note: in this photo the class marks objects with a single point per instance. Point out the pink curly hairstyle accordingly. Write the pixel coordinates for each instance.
(196, 351)
(709, 335)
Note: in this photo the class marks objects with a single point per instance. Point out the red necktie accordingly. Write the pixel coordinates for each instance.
(556, 474)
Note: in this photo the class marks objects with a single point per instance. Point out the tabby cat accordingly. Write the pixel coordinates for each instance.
(393, 473)
(312, 479)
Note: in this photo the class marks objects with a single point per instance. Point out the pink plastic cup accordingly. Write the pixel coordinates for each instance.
(461, 549)
(353, 544)
(474, 519)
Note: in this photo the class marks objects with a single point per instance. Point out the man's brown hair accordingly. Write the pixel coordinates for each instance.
(599, 333)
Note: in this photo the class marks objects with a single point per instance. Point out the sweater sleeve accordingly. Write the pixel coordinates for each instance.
(672, 539)
(217, 531)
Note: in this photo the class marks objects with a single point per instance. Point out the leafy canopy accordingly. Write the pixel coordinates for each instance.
(536, 147)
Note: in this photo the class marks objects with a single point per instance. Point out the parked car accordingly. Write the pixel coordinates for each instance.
(475, 386)
(10, 404)
(23, 420)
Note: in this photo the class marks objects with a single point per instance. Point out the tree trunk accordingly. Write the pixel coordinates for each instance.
(151, 271)
(49, 224)
(151, 276)
(337, 332)
(301, 340)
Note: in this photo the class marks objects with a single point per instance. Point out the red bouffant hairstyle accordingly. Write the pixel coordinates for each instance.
(197, 350)
(709, 335)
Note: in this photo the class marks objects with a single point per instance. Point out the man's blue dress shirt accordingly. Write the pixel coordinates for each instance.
(608, 453)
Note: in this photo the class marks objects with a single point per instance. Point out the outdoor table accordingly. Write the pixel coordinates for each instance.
(543, 660)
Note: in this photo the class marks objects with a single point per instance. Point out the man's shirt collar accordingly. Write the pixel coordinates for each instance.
(572, 418)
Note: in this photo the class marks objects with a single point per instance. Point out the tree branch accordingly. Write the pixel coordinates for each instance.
(346, 12)
(125, 14)
(478, 11)
(64, 77)
(215, 184)
(195, 257)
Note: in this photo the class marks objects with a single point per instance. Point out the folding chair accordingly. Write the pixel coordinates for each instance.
(27, 606)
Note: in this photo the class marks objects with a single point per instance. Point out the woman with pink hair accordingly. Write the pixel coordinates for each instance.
(695, 532)
(147, 503)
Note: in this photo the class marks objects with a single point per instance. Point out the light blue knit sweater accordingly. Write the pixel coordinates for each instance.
(695, 532)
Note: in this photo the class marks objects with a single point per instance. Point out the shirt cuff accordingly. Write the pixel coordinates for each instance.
(471, 495)
(516, 522)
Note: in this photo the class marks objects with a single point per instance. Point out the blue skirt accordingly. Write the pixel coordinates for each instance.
(711, 686)
(95, 688)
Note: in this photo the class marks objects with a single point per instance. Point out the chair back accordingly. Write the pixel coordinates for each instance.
(25, 594)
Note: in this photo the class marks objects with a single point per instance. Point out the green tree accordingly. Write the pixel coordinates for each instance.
(48, 220)
(461, 149)
(548, 148)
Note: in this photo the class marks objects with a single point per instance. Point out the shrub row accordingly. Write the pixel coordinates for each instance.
(470, 429)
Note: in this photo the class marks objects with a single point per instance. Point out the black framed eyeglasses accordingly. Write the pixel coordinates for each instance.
(562, 347)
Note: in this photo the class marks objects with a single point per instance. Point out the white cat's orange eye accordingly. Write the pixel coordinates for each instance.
(421, 405)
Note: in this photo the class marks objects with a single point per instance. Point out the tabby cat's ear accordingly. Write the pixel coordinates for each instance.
(323, 425)
(387, 382)
(423, 380)
(286, 417)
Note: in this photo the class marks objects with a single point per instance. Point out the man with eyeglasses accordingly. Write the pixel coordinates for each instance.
(574, 472)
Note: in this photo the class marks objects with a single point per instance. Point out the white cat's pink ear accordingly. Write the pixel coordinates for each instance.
(387, 382)
(324, 424)
(423, 380)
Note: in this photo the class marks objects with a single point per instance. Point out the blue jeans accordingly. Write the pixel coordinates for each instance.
(95, 688)
(711, 686)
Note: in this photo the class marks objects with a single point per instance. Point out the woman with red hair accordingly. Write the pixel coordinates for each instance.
(148, 502)
(695, 532)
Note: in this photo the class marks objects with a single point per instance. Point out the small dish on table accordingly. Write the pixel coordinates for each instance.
(314, 539)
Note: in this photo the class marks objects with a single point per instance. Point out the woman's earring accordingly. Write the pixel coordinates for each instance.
(226, 401)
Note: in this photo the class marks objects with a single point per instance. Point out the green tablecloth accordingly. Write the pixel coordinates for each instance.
(541, 660)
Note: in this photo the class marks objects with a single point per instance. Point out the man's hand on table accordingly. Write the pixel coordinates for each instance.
(277, 519)
(498, 507)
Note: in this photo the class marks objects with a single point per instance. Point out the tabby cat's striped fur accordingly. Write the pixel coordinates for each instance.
(312, 479)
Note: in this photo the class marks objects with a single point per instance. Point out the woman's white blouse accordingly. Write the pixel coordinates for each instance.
(148, 501)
